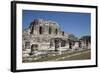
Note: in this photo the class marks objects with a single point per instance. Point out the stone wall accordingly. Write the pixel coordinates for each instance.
(43, 35)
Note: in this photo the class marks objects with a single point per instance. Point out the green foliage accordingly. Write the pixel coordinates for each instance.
(86, 38)
(73, 37)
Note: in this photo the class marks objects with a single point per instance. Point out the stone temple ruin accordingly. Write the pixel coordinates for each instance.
(44, 36)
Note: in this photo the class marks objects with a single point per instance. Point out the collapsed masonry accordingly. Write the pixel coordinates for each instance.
(43, 35)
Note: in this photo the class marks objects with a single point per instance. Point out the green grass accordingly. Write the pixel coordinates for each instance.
(82, 56)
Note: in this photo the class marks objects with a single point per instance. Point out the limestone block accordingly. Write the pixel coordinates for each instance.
(25, 55)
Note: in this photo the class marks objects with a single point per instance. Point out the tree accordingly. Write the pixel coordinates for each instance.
(73, 37)
(86, 38)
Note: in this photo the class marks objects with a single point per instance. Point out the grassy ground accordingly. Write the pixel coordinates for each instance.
(82, 56)
(77, 55)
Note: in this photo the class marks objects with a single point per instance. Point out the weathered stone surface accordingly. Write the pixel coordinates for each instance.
(46, 35)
